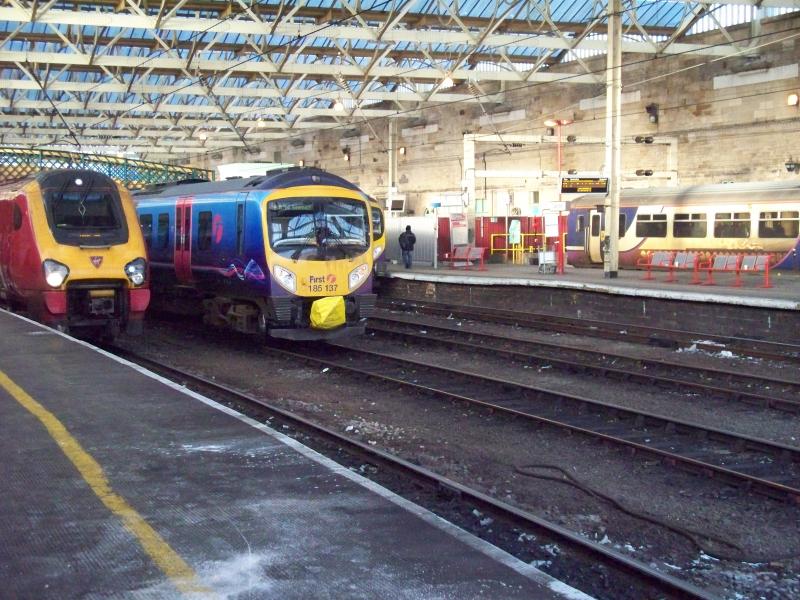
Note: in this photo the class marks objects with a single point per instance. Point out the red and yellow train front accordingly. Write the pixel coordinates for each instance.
(79, 260)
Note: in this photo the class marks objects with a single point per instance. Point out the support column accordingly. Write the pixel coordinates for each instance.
(392, 163)
(468, 183)
(613, 137)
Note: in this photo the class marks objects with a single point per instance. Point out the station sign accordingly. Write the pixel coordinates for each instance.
(584, 185)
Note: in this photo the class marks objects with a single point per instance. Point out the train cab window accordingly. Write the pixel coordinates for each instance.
(83, 208)
(377, 223)
(581, 224)
(146, 223)
(162, 234)
(690, 225)
(204, 230)
(732, 225)
(16, 216)
(318, 227)
(651, 226)
(623, 224)
(784, 224)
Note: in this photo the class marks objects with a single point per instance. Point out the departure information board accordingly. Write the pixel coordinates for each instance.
(578, 185)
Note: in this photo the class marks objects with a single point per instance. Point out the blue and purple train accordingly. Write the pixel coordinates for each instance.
(289, 254)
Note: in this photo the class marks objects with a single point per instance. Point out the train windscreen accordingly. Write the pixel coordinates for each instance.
(83, 209)
(318, 228)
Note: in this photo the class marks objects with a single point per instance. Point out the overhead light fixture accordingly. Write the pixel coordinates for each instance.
(447, 82)
(260, 123)
(338, 106)
(557, 122)
(644, 172)
(202, 135)
(652, 112)
(346, 154)
(792, 166)
(792, 100)
(402, 150)
(572, 172)
(572, 139)
(643, 139)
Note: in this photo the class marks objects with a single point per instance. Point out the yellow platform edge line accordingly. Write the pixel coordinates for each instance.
(171, 564)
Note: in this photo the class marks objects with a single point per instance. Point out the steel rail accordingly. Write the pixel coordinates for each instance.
(661, 581)
(379, 366)
(630, 332)
(531, 350)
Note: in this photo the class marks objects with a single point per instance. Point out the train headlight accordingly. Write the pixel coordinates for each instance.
(357, 276)
(136, 270)
(285, 277)
(55, 273)
(376, 252)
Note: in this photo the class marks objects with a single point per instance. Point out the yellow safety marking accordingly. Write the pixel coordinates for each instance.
(173, 566)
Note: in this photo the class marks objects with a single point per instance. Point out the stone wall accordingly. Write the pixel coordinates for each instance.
(727, 117)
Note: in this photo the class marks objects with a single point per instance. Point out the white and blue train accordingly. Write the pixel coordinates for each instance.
(760, 218)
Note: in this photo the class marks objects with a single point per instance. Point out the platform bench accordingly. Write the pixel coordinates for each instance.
(754, 263)
(660, 259)
(685, 261)
(473, 255)
(458, 255)
(721, 263)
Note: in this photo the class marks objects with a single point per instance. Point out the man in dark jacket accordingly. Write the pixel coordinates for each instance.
(407, 241)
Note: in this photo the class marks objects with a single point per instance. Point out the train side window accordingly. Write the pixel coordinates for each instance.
(732, 225)
(204, 230)
(595, 225)
(690, 225)
(16, 216)
(623, 224)
(784, 224)
(146, 223)
(377, 223)
(581, 224)
(651, 225)
(163, 230)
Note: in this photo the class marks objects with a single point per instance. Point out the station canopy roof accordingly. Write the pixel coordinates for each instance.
(158, 79)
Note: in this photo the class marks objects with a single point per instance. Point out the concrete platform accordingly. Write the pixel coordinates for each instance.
(784, 295)
(117, 483)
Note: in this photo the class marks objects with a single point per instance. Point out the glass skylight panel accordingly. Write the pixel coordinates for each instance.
(734, 14)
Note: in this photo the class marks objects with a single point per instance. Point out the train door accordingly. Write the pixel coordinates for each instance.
(183, 239)
(593, 233)
(241, 207)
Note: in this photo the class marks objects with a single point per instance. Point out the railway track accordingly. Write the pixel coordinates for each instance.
(628, 332)
(773, 392)
(760, 465)
(661, 584)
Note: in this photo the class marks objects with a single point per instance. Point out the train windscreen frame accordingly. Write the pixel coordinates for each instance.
(83, 209)
(318, 228)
